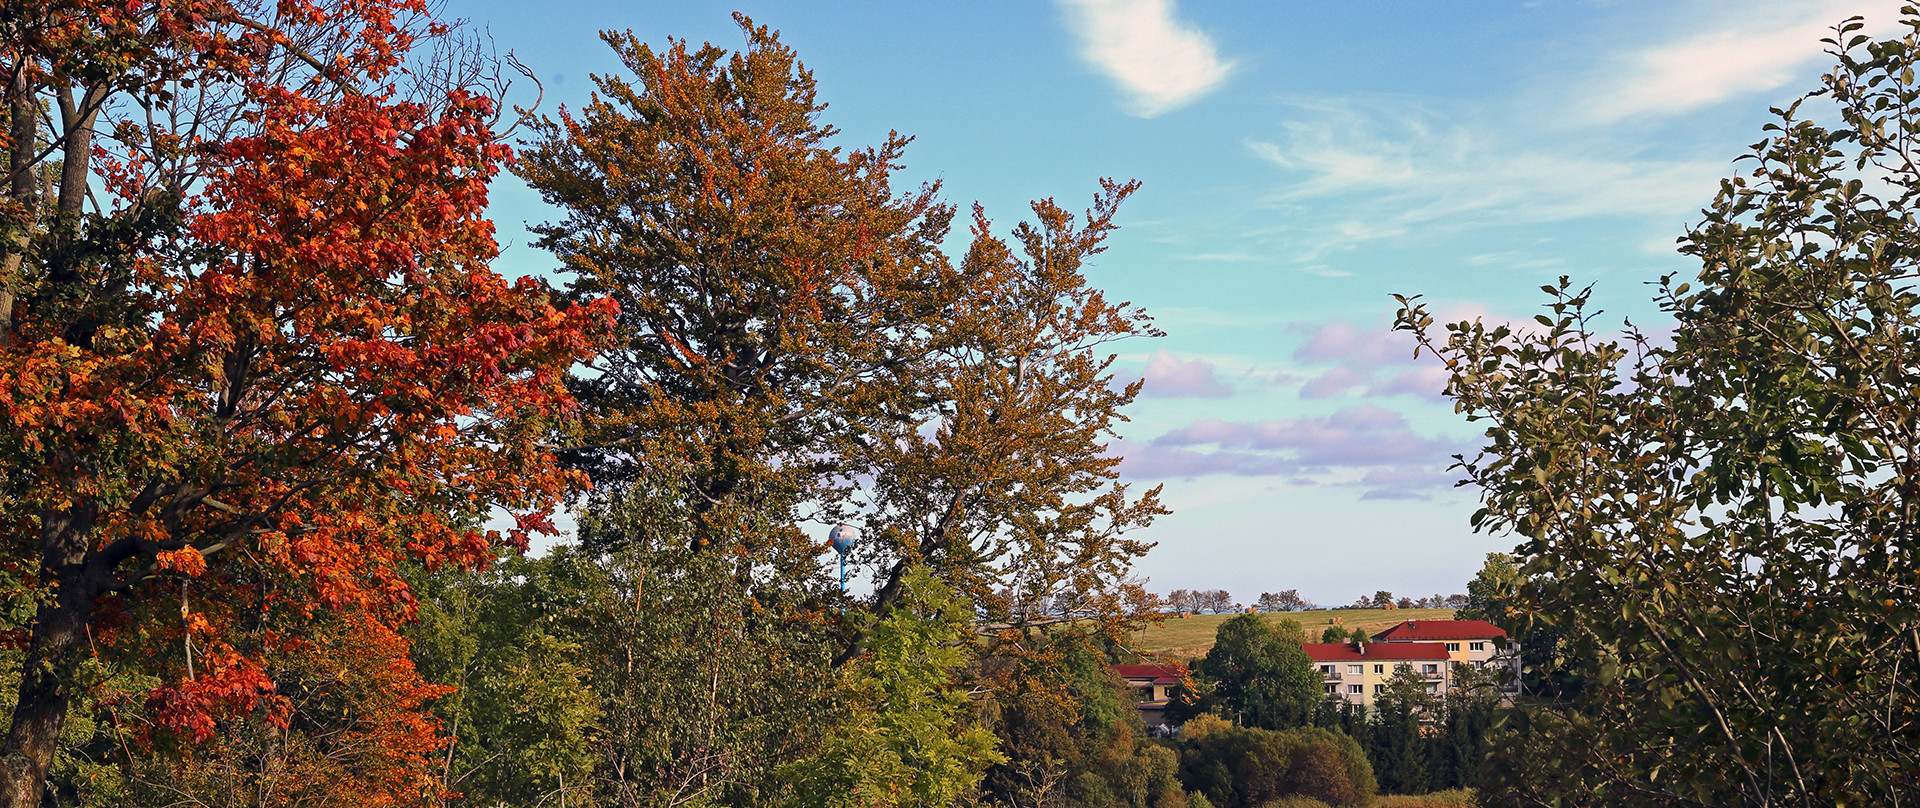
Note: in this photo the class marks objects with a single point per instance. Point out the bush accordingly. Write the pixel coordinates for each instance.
(1358, 768)
(1239, 767)
(1319, 773)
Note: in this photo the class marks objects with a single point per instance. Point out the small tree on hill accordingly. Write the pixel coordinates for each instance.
(1217, 601)
(1287, 601)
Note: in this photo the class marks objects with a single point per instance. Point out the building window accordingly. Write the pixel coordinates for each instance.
(1330, 688)
(1379, 669)
(1355, 669)
(1430, 669)
(1356, 688)
(1453, 646)
(1433, 687)
(1326, 669)
(1478, 646)
(1379, 689)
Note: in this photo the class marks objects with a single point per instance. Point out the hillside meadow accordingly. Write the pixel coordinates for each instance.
(1188, 637)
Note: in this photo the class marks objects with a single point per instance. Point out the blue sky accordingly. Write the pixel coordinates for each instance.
(1301, 161)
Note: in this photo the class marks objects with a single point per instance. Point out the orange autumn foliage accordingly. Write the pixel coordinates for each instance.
(271, 365)
(349, 728)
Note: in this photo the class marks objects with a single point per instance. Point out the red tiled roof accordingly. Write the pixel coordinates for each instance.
(1441, 630)
(1160, 674)
(1337, 651)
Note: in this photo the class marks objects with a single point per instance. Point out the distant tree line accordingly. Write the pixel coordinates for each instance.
(1218, 601)
(1386, 600)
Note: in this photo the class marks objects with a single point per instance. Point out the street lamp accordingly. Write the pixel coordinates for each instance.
(842, 538)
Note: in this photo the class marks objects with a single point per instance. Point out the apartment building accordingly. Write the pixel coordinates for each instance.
(1152, 686)
(1358, 671)
(1475, 643)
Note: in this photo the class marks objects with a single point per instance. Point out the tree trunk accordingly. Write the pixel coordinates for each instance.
(23, 124)
(56, 650)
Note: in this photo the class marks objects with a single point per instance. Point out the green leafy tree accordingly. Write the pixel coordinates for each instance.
(710, 680)
(1494, 592)
(1726, 526)
(1071, 731)
(1258, 673)
(906, 736)
(521, 713)
(1497, 594)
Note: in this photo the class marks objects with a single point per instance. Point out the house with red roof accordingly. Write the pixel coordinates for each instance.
(1152, 686)
(1475, 643)
(1356, 672)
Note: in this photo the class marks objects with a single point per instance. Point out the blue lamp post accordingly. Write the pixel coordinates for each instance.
(842, 538)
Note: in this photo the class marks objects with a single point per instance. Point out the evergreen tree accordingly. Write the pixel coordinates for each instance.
(1397, 738)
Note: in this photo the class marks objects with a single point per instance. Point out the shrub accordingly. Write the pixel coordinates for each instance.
(1318, 772)
(1237, 767)
(1359, 768)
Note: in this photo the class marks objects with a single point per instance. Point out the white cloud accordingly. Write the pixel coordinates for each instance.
(1161, 62)
(1416, 170)
(1757, 49)
(1169, 376)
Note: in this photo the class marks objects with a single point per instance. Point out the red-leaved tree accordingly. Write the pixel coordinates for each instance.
(252, 354)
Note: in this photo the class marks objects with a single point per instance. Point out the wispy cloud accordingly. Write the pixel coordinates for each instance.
(1365, 169)
(1159, 61)
(1363, 445)
(1758, 48)
(1402, 168)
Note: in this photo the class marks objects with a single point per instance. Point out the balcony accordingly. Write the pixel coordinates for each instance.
(1333, 676)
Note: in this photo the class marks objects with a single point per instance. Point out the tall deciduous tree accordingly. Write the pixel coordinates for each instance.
(794, 345)
(251, 352)
(775, 296)
(773, 289)
(996, 474)
(1726, 526)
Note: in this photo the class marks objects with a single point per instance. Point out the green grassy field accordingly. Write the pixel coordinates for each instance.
(1190, 637)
